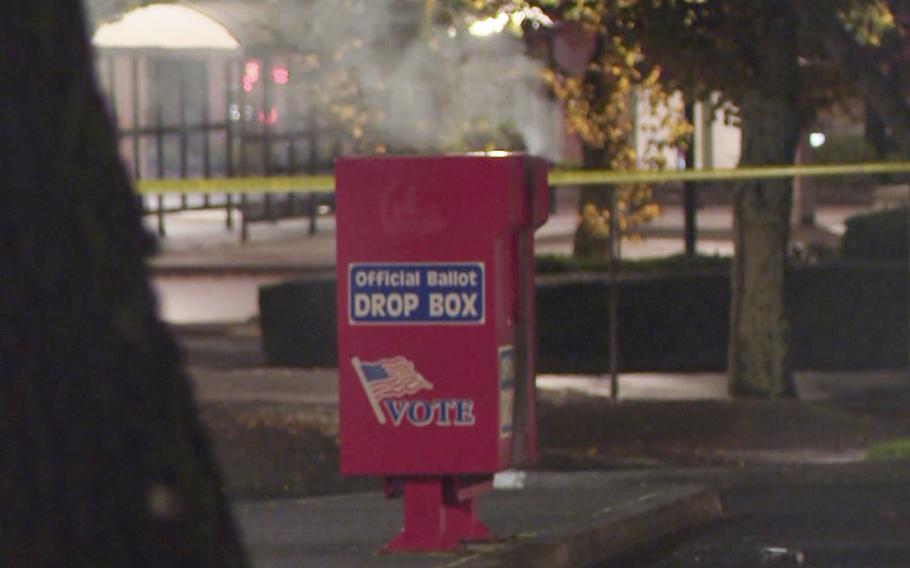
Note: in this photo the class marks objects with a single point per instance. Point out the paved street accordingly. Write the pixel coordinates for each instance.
(847, 516)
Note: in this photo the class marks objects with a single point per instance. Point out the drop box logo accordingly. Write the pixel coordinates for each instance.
(387, 382)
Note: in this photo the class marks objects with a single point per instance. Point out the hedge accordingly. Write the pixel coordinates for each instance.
(880, 235)
(849, 316)
(843, 316)
(667, 322)
(298, 322)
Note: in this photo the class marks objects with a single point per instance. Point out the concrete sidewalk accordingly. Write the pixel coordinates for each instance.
(197, 241)
(548, 520)
(319, 387)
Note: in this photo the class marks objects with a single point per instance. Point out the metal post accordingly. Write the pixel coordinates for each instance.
(292, 153)
(314, 210)
(614, 293)
(242, 129)
(134, 118)
(229, 140)
(184, 135)
(244, 229)
(707, 134)
(229, 206)
(244, 224)
(291, 128)
(690, 205)
(162, 232)
(112, 94)
(159, 144)
(633, 118)
(206, 129)
(312, 142)
(266, 73)
(134, 96)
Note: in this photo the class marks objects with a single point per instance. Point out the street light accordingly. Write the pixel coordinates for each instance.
(817, 139)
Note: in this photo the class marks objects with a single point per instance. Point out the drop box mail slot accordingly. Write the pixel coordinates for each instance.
(435, 312)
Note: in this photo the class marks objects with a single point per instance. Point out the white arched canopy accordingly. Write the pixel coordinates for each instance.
(164, 26)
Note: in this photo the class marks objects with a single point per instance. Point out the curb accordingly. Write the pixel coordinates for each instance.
(644, 521)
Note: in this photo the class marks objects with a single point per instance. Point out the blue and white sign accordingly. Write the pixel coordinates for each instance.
(416, 293)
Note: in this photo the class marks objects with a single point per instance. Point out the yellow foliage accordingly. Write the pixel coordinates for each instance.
(869, 21)
(596, 222)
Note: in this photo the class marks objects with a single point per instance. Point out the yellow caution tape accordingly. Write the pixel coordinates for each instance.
(273, 184)
(557, 177)
(603, 177)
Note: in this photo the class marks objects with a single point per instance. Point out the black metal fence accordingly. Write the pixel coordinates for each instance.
(204, 114)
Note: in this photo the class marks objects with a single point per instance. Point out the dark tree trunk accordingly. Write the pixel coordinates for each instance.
(759, 357)
(591, 238)
(102, 460)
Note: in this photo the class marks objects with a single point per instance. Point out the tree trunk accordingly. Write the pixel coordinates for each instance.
(103, 461)
(592, 238)
(759, 357)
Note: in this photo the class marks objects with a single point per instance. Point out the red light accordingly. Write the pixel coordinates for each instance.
(250, 74)
(280, 75)
(251, 70)
(269, 119)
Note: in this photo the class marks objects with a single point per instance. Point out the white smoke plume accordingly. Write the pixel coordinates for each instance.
(436, 86)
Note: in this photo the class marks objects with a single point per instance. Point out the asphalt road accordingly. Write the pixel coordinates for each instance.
(834, 517)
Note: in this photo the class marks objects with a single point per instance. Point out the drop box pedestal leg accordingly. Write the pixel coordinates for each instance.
(440, 515)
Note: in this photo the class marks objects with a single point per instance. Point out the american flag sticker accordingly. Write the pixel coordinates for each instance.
(388, 378)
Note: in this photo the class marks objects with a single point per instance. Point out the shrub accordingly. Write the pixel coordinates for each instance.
(298, 322)
(842, 316)
(848, 316)
(881, 235)
(666, 322)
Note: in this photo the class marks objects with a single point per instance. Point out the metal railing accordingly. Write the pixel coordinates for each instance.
(237, 190)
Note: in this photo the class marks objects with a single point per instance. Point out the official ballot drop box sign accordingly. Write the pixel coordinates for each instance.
(436, 312)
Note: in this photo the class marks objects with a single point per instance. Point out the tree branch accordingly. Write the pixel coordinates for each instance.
(879, 88)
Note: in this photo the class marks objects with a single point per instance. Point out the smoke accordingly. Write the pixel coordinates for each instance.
(434, 88)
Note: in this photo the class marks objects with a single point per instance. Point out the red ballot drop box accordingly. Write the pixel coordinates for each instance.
(435, 272)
